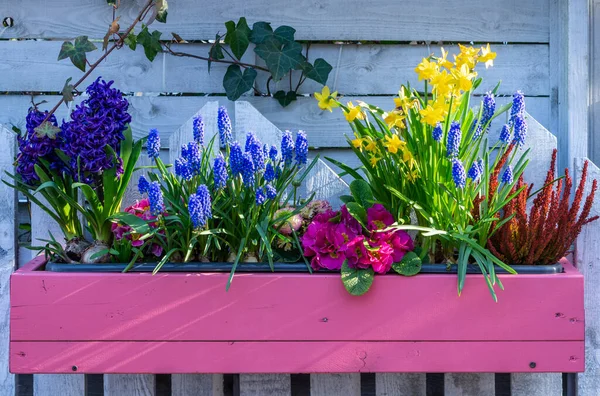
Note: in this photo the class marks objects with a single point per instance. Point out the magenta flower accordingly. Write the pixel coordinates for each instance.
(378, 217)
(399, 240)
(350, 221)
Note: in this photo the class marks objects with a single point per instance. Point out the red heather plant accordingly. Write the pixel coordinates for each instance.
(552, 226)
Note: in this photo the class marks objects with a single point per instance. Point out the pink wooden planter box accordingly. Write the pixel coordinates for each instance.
(291, 323)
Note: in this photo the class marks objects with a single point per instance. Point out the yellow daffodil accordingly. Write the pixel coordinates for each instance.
(374, 159)
(371, 146)
(353, 113)
(487, 56)
(443, 61)
(327, 100)
(403, 102)
(442, 83)
(467, 56)
(412, 175)
(426, 69)
(393, 143)
(432, 115)
(463, 78)
(394, 119)
(408, 158)
(358, 143)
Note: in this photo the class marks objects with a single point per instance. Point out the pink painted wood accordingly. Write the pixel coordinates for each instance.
(273, 315)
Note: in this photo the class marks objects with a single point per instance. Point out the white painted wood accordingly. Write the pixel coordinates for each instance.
(265, 385)
(324, 182)
(461, 20)
(185, 134)
(587, 257)
(248, 119)
(335, 384)
(554, 55)
(59, 384)
(536, 384)
(8, 252)
(388, 384)
(469, 384)
(129, 385)
(197, 384)
(168, 113)
(594, 141)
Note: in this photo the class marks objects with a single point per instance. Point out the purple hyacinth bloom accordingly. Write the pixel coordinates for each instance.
(143, 184)
(301, 148)
(251, 139)
(198, 129)
(287, 148)
(224, 125)
(220, 172)
(97, 122)
(258, 156)
(182, 169)
(458, 174)
(520, 129)
(474, 172)
(153, 144)
(453, 141)
(518, 105)
(260, 196)
(205, 201)
(505, 134)
(248, 170)
(273, 153)
(438, 133)
(157, 205)
(507, 176)
(271, 191)
(196, 211)
(235, 158)
(269, 173)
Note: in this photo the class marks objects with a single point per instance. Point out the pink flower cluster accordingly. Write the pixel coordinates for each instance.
(333, 237)
(140, 209)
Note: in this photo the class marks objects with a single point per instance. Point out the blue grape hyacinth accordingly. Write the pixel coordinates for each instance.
(182, 169)
(287, 148)
(205, 201)
(196, 211)
(505, 134)
(520, 129)
(220, 172)
(271, 191)
(157, 205)
(458, 174)
(453, 141)
(273, 153)
(438, 133)
(198, 129)
(489, 108)
(301, 148)
(260, 196)
(143, 184)
(235, 158)
(258, 156)
(269, 173)
(474, 172)
(507, 176)
(153, 144)
(251, 139)
(248, 170)
(518, 105)
(224, 125)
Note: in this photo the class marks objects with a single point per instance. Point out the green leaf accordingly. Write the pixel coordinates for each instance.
(67, 91)
(111, 2)
(150, 42)
(284, 98)
(357, 211)
(409, 265)
(280, 59)
(215, 52)
(76, 52)
(237, 83)
(284, 34)
(362, 193)
(357, 281)
(162, 9)
(47, 129)
(131, 41)
(346, 198)
(319, 72)
(261, 31)
(138, 225)
(238, 36)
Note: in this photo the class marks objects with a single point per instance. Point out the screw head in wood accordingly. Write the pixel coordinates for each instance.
(74, 368)
(532, 365)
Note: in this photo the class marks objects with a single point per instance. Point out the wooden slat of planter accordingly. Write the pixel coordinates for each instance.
(195, 307)
(296, 357)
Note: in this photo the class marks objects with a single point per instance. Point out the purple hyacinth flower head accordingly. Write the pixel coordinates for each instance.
(99, 121)
(220, 172)
(273, 153)
(271, 191)
(260, 196)
(505, 134)
(248, 170)
(205, 201)
(153, 144)
(236, 158)
(453, 141)
(287, 148)
(196, 211)
(301, 148)
(198, 130)
(183, 169)
(224, 125)
(438, 133)
(157, 205)
(520, 129)
(458, 174)
(507, 176)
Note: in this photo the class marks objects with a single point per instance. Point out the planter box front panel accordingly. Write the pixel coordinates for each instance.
(178, 322)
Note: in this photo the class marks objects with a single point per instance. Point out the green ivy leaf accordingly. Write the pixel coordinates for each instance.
(280, 59)
(131, 41)
(237, 83)
(409, 265)
(319, 72)
(357, 211)
(111, 2)
(76, 51)
(67, 91)
(162, 9)
(150, 42)
(284, 34)
(261, 31)
(47, 129)
(284, 98)
(215, 52)
(362, 193)
(238, 36)
(357, 281)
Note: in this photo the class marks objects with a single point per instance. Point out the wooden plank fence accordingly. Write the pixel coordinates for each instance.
(545, 57)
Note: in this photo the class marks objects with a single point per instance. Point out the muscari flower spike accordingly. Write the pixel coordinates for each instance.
(453, 141)
(474, 172)
(273, 153)
(247, 170)
(182, 169)
(157, 205)
(489, 108)
(260, 196)
(518, 105)
(269, 173)
(196, 211)
(205, 201)
(250, 140)
(191, 153)
(507, 176)
(458, 174)
(153, 144)
(520, 129)
(505, 134)
(143, 184)
(287, 148)
(258, 156)
(438, 132)
(198, 129)
(220, 172)
(301, 148)
(271, 191)
(224, 125)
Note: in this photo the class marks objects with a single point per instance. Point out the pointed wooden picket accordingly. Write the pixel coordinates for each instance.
(184, 133)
